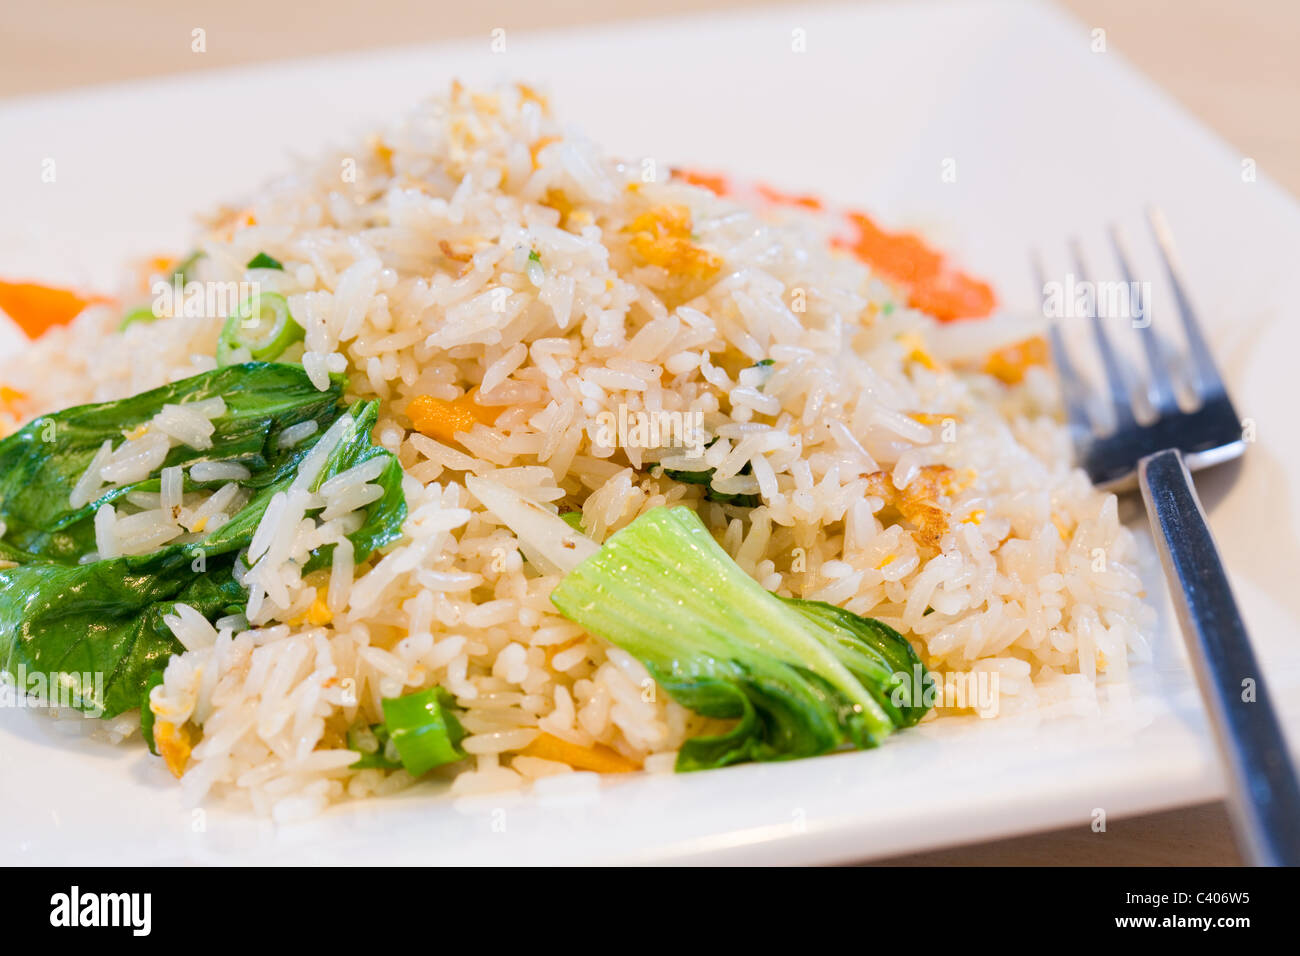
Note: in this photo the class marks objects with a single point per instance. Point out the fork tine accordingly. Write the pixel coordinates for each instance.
(1119, 394)
(1072, 387)
(1209, 382)
(1161, 389)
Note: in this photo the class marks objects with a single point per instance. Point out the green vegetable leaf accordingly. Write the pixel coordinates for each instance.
(147, 719)
(384, 517)
(96, 629)
(705, 478)
(263, 261)
(799, 677)
(41, 462)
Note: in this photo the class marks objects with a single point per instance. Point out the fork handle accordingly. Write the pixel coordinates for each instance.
(1263, 795)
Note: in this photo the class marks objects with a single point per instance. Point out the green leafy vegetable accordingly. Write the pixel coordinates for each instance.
(573, 519)
(799, 677)
(262, 325)
(420, 731)
(705, 478)
(41, 462)
(384, 517)
(105, 618)
(263, 261)
(63, 618)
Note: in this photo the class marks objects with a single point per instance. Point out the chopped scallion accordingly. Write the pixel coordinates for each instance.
(262, 325)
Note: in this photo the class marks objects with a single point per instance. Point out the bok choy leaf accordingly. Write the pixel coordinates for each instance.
(65, 619)
(799, 677)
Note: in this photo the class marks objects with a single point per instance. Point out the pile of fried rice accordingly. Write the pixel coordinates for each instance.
(482, 255)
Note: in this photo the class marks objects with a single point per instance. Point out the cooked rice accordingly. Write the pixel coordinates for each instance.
(481, 244)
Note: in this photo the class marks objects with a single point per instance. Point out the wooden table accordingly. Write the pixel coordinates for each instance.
(1232, 65)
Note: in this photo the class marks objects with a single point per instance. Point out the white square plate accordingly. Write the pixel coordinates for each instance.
(1047, 138)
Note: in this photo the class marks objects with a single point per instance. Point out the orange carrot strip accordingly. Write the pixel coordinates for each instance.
(599, 758)
(932, 285)
(445, 420)
(38, 308)
(714, 182)
(10, 397)
(787, 199)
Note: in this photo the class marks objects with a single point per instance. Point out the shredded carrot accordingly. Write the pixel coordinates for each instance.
(599, 758)
(1010, 363)
(932, 285)
(38, 308)
(714, 182)
(445, 420)
(953, 295)
(788, 199)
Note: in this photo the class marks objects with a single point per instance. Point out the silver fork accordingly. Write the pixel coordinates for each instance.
(1264, 797)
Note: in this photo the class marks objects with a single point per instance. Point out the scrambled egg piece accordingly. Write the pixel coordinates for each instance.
(661, 236)
(933, 418)
(916, 351)
(918, 504)
(175, 744)
(384, 153)
(317, 615)
(1010, 363)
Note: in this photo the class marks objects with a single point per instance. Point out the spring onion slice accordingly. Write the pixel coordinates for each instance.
(262, 325)
(423, 730)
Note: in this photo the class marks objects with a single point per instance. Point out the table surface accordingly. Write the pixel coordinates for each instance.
(1232, 65)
